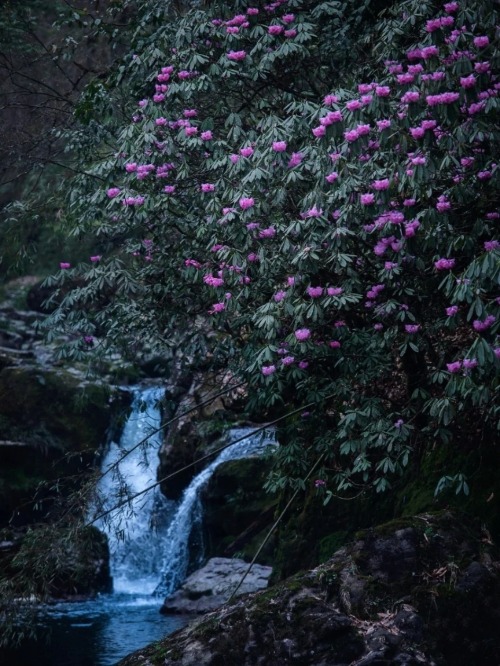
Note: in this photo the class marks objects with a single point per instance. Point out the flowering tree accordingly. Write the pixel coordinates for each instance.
(307, 193)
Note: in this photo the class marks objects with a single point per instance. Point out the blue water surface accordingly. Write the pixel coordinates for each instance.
(93, 633)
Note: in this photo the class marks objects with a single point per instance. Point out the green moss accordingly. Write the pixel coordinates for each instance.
(331, 543)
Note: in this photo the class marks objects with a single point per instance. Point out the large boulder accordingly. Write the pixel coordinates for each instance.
(237, 512)
(202, 416)
(213, 584)
(52, 428)
(417, 591)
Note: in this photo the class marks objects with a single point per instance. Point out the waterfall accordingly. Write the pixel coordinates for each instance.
(188, 515)
(149, 537)
(135, 532)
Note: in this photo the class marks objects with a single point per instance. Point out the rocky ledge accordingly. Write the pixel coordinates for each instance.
(423, 590)
(210, 587)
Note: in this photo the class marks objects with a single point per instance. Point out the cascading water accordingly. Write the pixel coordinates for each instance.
(135, 532)
(149, 543)
(189, 513)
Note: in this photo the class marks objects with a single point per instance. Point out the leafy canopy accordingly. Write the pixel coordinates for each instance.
(307, 192)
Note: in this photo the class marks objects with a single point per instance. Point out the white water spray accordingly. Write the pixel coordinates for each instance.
(149, 537)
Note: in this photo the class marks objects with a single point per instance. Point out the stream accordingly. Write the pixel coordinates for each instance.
(150, 544)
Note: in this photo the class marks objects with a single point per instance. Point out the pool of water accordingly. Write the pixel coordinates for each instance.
(94, 633)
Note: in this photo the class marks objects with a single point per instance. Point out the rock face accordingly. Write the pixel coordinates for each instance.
(422, 590)
(210, 587)
(237, 513)
(203, 419)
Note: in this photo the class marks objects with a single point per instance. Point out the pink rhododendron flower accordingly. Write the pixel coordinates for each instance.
(169, 189)
(481, 41)
(334, 291)
(454, 367)
(330, 118)
(442, 98)
(381, 184)
(319, 131)
(279, 146)
(96, 258)
(330, 99)
(303, 365)
(302, 334)
(353, 105)
(367, 199)
(383, 124)
(491, 245)
(288, 360)
(332, 177)
(279, 295)
(363, 129)
(267, 233)
(190, 131)
(417, 132)
(468, 81)
(412, 328)
(213, 281)
(207, 187)
(236, 55)
(247, 151)
(268, 370)
(246, 203)
(452, 310)
(217, 307)
(314, 212)
(482, 67)
(365, 87)
(382, 91)
(288, 18)
(444, 264)
(410, 96)
(206, 136)
(275, 29)
(315, 292)
(64, 265)
(469, 363)
(334, 344)
(479, 325)
(295, 160)
(443, 204)
(113, 192)
(351, 135)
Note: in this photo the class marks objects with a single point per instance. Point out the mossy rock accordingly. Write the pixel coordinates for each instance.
(56, 562)
(311, 531)
(52, 427)
(237, 512)
(421, 590)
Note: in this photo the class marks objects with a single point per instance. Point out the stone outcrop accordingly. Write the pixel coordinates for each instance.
(211, 586)
(237, 512)
(413, 592)
(201, 419)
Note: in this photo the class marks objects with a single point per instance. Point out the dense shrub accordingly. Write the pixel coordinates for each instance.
(308, 193)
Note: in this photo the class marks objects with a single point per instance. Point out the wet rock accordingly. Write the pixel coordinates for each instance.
(433, 609)
(211, 586)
